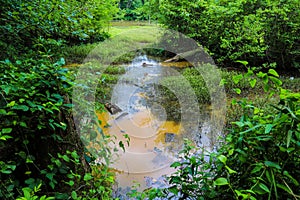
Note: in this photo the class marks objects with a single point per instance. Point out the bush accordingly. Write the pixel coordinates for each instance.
(259, 158)
(256, 31)
(34, 118)
(26, 22)
(41, 152)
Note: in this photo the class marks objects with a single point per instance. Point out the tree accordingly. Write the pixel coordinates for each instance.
(23, 23)
(257, 31)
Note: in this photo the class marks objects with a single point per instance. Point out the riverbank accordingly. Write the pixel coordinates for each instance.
(238, 88)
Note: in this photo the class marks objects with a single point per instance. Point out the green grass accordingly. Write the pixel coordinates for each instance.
(291, 84)
(125, 37)
(119, 27)
(115, 70)
(196, 81)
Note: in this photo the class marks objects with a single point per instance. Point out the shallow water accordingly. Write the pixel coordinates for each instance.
(154, 142)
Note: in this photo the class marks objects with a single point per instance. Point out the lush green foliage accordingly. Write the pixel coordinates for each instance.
(32, 108)
(24, 24)
(257, 31)
(42, 156)
(259, 158)
(41, 152)
(138, 10)
(129, 9)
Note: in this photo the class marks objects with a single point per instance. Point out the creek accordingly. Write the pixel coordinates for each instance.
(155, 139)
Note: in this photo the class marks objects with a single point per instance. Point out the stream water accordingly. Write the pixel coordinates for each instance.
(154, 140)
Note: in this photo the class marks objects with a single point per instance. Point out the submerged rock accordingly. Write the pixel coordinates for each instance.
(169, 137)
(146, 64)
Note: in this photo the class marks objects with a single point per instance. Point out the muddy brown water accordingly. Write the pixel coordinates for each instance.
(154, 141)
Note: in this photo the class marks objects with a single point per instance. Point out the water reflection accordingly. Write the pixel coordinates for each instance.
(154, 141)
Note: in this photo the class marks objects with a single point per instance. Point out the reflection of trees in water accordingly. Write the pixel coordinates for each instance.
(209, 125)
(209, 122)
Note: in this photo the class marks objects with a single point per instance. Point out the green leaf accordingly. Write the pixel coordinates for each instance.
(66, 158)
(276, 81)
(175, 164)
(5, 137)
(176, 179)
(74, 155)
(286, 173)
(273, 72)
(272, 164)
(257, 168)
(268, 128)
(71, 183)
(240, 194)
(261, 74)
(26, 192)
(223, 159)
(6, 130)
(50, 176)
(52, 185)
(243, 62)
(11, 104)
(236, 79)
(223, 82)
(87, 177)
(2, 112)
(6, 171)
(29, 160)
(251, 129)
(13, 167)
(173, 190)
(23, 124)
(252, 82)
(264, 187)
(234, 102)
(284, 188)
(289, 137)
(69, 105)
(30, 103)
(231, 171)
(21, 107)
(237, 90)
(240, 124)
(221, 181)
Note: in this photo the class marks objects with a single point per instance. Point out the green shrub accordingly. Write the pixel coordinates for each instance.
(41, 151)
(34, 99)
(25, 22)
(257, 31)
(259, 158)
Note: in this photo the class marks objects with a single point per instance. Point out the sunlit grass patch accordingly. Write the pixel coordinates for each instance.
(136, 33)
(123, 40)
(115, 70)
(125, 23)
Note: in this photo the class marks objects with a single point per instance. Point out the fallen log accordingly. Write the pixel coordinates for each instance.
(183, 56)
(194, 56)
(113, 109)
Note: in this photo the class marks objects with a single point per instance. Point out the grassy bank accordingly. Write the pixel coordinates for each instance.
(124, 36)
(251, 103)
